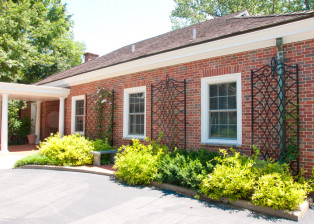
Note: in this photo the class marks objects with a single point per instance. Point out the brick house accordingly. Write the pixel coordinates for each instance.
(215, 58)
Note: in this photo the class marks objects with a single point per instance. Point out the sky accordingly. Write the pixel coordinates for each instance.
(106, 25)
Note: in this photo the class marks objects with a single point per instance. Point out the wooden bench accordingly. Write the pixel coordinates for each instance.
(97, 156)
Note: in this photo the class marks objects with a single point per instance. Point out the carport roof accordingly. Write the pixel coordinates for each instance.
(32, 92)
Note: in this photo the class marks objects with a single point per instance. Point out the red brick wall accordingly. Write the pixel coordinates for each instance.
(301, 53)
(49, 118)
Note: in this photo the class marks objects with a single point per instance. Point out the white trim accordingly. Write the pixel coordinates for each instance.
(61, 116)
(140, 89)
(205, 107)
(32, 92)
(290, 32)
(37, 122)
(33, 117)
(4, 124)
(73, 113)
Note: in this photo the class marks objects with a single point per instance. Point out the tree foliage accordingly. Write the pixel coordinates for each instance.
(36, 40)
(189, 12)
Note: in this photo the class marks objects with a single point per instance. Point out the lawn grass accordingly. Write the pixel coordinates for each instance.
(34, 159)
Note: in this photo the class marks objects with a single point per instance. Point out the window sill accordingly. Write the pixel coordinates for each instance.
(130, 137)
(222, 142)
(77, 132)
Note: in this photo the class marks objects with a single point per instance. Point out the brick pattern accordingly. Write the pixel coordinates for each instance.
(49, 118)
(301, 53)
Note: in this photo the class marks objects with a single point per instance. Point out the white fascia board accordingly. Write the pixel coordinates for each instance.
(291, 32)
(32, 90)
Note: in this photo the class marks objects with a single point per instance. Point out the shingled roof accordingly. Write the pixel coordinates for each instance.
(210, 30)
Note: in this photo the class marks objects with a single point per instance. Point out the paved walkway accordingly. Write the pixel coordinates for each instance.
(15, 153)
(45, 196)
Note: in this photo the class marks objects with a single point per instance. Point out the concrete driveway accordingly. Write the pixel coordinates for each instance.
(16, 152)
(46, 196)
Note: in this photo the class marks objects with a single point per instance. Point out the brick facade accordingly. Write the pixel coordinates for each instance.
(301, 53)
(49, 118)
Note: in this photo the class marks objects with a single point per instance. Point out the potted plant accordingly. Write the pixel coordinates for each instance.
(27, 130)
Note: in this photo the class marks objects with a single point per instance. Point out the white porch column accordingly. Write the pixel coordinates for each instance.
(0, 117)
(4, 123)
(37, 123)
(61, 116)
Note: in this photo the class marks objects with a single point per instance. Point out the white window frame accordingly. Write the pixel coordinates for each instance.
(205, 82)
(126, 104)
(73, 114)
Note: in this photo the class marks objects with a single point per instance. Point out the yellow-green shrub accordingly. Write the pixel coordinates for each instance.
(279, 191)
(266, 183)
(232, 178)
(71, 150)
(137, 163)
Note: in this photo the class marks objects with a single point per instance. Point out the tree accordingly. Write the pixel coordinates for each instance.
(189, 12)
(36, 40)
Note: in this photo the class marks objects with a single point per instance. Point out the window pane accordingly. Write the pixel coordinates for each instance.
(214, 118)
(142, 120)
(212, 90)
(79, 122)
(224, 129)
(142, 107)
(222, 89)
(79, 107)
(232, 131)
(223, 122)
(132, 124)
(138, 129)
(141, 97)
(232, 102)
(222, 103)
(232, 89)
(233, 117)
(132, 98)
(137, 107)
(213, 103)
(223, 118)
(214, 132)
(137, 103)
(136, 122)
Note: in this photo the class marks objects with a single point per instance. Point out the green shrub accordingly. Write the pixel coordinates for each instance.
(71, 150)
(206, 158)
(279, 192)
(185, 169)
(103, 145)
(232, 178)
(266, 183)
(137, 163)
(180, 171)
(34, 159)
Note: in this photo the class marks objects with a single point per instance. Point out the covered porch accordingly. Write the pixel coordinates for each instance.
(32, 93)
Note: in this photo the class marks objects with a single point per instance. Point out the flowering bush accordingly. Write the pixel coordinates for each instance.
(71, 150)
(137, 163)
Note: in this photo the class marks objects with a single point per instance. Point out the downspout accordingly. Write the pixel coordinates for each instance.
(282, 132)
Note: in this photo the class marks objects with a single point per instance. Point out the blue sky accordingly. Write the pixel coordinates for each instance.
(106, 25)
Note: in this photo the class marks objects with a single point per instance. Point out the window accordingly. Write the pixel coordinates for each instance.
(134, 112)
(78, 114)
(221, 110)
